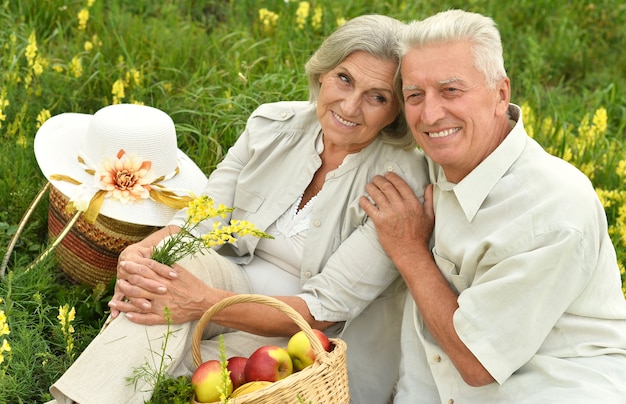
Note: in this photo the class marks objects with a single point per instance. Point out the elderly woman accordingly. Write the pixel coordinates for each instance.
(297, 172)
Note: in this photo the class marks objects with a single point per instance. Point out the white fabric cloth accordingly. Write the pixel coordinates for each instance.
(523, 240)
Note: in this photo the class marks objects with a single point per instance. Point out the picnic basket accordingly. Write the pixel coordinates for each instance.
(325, 381)
(88, 254)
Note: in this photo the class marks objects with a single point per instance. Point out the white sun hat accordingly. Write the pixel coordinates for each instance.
(122, 162)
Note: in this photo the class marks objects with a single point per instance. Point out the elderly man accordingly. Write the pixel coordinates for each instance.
(517, 296)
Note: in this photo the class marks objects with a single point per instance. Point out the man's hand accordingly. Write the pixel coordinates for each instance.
(402, 222)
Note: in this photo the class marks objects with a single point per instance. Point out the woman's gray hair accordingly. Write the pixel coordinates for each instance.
(375, 34)
(458, 25)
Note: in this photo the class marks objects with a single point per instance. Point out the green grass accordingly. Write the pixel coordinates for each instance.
(209, 64)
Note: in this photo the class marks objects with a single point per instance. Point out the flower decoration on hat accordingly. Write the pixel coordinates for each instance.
(126, 178)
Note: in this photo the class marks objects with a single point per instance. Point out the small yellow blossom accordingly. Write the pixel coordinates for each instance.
(4, 330)
(76, 67)
(58, 68)
(316, 19)
(268, 18)
(302, 13)
(21, 141)
(31, 49)
(88, 46)
(90, 3)
(133, 76)
(83, 17)
(118, 91)
(185, 242)
(66, 316)
(620, 170)
(340, 21)
(42, 117)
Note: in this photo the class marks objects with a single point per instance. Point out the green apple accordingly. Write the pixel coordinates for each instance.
(300, 349)
(268, 363)
(207, 382)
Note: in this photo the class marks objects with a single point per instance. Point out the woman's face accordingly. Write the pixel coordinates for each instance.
(356, 101)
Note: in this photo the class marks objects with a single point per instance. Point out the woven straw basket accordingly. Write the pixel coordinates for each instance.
(88, 253)
(325, 381)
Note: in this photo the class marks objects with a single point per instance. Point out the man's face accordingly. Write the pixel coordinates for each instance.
(455, 118)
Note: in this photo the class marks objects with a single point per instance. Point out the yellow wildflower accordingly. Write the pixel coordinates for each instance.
(340, 21)
(90, 3)
(76, 67)
(88, 46)
(268, 18)
(302, 13)
(316, 19)
(185, 242)
(133, 76)
(83, 17)
(42, 117)
(118, 91)
(600, 120)
(31, 49)
(620, 170)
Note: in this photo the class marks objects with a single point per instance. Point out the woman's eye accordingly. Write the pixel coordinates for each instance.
(380, 99)
(344, 78)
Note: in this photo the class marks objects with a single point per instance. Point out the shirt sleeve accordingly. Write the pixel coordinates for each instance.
(357, 273)
(505, 317)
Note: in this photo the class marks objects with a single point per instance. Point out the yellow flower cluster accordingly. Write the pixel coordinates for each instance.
(302, 14)
(132, 78)
(203, 207)
(3, 104)
(221, 235)
(65, 317)
(185, 242)
(4, 330)
(268, 18)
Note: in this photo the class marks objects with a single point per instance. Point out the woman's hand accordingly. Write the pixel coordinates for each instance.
(150, 287)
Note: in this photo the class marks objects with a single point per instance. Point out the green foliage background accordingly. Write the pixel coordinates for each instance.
(209, 64)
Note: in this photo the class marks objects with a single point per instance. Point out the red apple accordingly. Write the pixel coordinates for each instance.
(236, 365)
(207, 382)
(268, 363)
(300, 349)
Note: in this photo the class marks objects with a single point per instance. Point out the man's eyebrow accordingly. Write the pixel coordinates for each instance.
(450, 80)
(410, 88)
(413, 87)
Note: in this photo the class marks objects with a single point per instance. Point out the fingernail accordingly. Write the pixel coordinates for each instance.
(173, 274)
(112, 305)
(161, 289)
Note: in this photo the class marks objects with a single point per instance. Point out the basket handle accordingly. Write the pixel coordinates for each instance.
(319, 351)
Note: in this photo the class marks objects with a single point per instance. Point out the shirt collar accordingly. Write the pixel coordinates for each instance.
(472, 191)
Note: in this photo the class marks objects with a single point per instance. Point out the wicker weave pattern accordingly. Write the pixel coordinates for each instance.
(325, 381)
(89, 252)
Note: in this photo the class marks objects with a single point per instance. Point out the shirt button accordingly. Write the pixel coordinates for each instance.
(317, 223)
(307, 274)
(331, 174)
(283, 114)
(451, 401)
(437, 358)
(389, 168)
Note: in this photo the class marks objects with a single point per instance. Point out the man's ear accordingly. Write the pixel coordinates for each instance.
(503, 91)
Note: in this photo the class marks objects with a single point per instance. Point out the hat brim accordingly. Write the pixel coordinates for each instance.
(57, 145)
